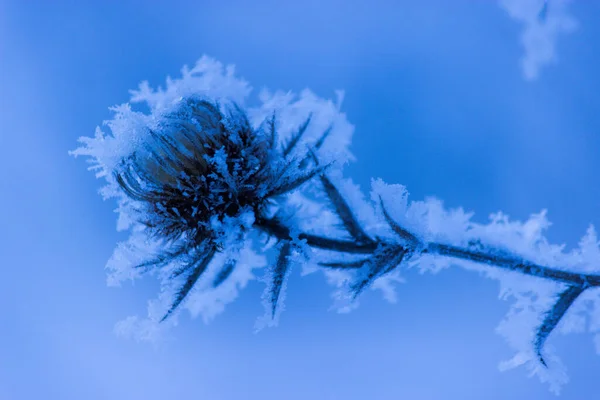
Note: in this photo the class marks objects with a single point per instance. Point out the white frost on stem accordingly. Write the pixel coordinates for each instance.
(310, 211)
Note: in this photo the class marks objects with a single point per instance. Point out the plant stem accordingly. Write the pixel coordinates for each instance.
(514, 264)
(275, 228)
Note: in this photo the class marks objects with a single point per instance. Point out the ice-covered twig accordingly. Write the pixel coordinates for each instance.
(386, 256)
(200, 175)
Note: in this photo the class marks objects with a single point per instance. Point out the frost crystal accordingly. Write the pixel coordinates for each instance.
(203, 179)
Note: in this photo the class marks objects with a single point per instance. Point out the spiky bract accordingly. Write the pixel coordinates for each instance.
(202, 163)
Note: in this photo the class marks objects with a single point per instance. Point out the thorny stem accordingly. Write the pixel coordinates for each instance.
(387, 255)
(515, 264)
(275, 228)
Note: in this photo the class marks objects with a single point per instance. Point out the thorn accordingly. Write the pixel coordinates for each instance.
(279, 273)
(296, 137)
(554, 316)
(399, 230)
(344, 212)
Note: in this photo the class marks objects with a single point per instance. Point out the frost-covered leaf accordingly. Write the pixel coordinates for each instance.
(224, 273)
(278, 275)
(553, 317)
(293, 142)
(196, 270)
(385, 259)
(342, 209)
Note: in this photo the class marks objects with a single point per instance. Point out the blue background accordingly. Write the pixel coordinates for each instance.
(439, 102)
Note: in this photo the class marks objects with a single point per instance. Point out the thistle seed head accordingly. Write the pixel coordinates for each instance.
(200, 163)
(203, 162)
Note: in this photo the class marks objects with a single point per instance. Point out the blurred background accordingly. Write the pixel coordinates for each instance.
(440, 103)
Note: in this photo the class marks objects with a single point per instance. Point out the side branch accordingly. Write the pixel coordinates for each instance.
(274, 228)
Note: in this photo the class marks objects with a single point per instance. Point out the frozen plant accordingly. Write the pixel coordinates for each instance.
(203, 178)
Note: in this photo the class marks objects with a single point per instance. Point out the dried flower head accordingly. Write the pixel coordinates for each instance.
(204, 163)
